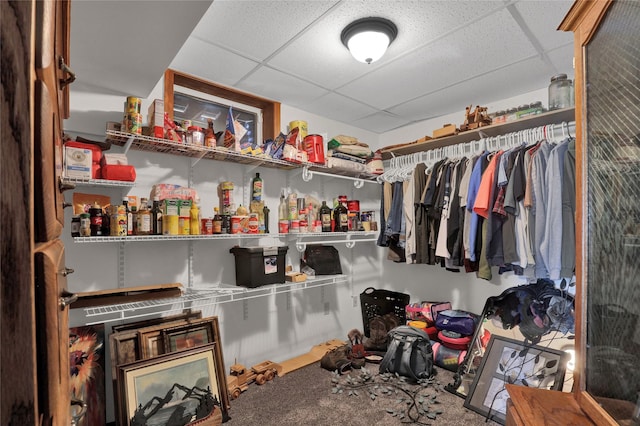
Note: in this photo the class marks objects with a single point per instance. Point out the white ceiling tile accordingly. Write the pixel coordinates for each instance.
(523, 77)
(543, 19)
(452, 59)
(125, 46)
(211, 63)
(562, 60)
(317, 53)
(380, 122)
(257, 28)
(277, 86)
(338, 108)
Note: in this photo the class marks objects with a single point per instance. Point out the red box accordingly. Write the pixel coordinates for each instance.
(119, 172)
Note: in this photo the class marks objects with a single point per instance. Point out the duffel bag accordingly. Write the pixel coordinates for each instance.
(458, 321)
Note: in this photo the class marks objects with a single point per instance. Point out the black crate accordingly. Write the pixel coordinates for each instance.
(257, 266)
(375, 302)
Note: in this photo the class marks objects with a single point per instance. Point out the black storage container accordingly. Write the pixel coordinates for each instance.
(256, 266)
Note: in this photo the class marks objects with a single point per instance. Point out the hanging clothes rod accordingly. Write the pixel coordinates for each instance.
(400, 168)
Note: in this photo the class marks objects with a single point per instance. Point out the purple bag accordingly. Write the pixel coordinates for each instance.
(461, 322)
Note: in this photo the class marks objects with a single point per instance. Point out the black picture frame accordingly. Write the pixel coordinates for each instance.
(514, 362)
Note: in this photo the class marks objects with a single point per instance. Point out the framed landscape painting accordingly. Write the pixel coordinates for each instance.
(175, 388)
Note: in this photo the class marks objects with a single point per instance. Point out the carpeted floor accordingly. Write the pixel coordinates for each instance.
(305, 397)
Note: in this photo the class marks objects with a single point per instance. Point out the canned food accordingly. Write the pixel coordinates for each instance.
(294, 226)
(133, 123)
(236, 224)
(283, 226)
(170, 224)
(133, 105)
(254, 223)
(206, 226)
(184, 225)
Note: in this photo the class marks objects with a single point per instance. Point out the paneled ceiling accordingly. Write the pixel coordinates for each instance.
(447, 55)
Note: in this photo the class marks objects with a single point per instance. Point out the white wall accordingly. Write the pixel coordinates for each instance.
(425, 128)
(274, 327)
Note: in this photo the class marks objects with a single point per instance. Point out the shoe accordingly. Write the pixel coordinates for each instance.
(337, 359)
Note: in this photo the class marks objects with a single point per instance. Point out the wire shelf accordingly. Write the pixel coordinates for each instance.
(203, 296)
(337, 237)
(97, 182)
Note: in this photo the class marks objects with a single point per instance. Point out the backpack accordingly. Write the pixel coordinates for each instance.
(408, 353)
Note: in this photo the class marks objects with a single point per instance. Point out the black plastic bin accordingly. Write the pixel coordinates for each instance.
(380, 302)
(257, 266)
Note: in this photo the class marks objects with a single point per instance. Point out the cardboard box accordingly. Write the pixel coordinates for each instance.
(257, 266)
(446, 130)
(184, 208)
(77, 162)
(295, 277)
(170, 207)
(155, 118)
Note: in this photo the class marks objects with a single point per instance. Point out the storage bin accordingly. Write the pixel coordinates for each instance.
(380, 302)
(257, 266)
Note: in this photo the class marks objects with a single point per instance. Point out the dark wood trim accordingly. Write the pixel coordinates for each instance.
(270, 109)
(18, 380)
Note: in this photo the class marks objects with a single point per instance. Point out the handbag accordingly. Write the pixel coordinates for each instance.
(324, 260)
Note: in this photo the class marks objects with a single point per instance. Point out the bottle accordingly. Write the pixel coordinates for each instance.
(210, 134)
(95, 214)
(325, 217)
(143, 218)
(194, 217)
(293, 206)
(134, 220)
(256, 188)
(125, 203)
(217, 221)
(340, 218)
(283, 215)
(265, 215)
(156, 216)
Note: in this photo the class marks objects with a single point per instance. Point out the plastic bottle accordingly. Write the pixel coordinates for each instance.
(134, 220)
(341, 218)
(143, 218)
(325, 217)
(256, 188)
(194, 217)
(156, 216)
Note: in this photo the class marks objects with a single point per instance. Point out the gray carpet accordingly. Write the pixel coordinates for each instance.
(305, 397)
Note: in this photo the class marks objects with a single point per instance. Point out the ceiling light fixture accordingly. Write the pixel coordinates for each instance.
(368, 38)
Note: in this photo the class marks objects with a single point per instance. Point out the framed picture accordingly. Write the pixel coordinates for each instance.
(188, 314)
(124, 349)
(510, 361)
(188, 336)
(87, 381)
(175, 388)
(150, 341)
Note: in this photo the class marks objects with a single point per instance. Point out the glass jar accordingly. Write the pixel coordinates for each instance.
(195, 135)
(560, 92)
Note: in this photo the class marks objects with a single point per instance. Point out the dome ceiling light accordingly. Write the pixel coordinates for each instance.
(368, 38)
